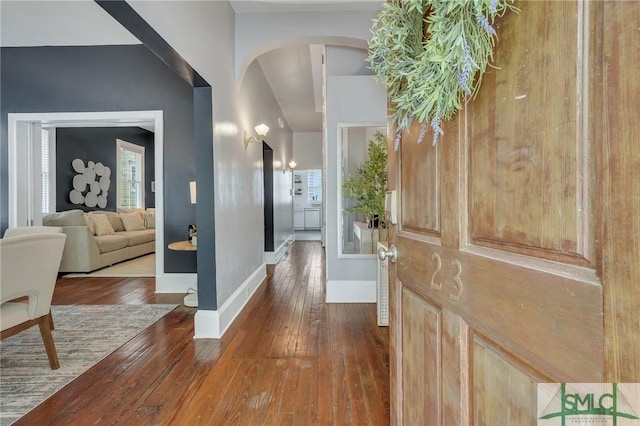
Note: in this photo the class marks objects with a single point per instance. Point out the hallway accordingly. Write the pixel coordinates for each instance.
(289, 359)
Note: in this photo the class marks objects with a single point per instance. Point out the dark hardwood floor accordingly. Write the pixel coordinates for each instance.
(289, 358)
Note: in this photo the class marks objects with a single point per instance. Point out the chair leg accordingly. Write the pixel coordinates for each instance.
(47, 338)
(51, 321)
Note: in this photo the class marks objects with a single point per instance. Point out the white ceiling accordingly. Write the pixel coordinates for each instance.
(293, 73)
(283, 6)
(46, 23)
(289, 72)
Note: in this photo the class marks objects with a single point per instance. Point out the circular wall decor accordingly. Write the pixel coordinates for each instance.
(431, 55)
(94, 178)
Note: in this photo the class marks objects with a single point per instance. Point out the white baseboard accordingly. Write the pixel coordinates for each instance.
(351, 292)
(273, 257)
(213, 324)
(176, 283)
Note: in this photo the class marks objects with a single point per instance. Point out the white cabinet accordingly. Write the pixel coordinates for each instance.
(312, 218)
(298, 219)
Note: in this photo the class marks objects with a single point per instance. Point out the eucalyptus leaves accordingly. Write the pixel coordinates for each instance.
(428, 76)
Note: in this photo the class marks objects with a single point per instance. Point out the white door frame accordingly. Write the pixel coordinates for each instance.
(18, 158)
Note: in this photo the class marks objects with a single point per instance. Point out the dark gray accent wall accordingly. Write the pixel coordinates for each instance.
(98, 144)
(205, 207)
(108, 78)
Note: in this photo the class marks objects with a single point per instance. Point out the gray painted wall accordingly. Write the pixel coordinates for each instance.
(307, 150)
(352, 100)
(260, 105)
(203, 32)
(107, 78)
(98, 144)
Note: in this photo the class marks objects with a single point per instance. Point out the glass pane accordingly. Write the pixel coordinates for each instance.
(130, 179)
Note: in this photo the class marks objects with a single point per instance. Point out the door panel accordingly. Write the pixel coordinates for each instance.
(528, 150)
(423, 183)
(496, 237)
(421, 349)
(455, 371)
(508, 398)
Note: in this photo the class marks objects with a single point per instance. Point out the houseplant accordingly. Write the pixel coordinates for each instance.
(431, 55)
(368, 185)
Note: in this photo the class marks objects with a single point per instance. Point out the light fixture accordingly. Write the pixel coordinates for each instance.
(261, 130)
(289, 167)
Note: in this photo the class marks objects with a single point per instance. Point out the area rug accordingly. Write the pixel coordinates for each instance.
(144, 266)
(84, 335)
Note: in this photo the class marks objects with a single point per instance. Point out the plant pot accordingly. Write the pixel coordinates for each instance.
(373, 223)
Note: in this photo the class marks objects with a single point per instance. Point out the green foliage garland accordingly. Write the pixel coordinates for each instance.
(369, 183)
(429, 75)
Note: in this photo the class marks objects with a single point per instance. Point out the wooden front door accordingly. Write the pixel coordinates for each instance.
(518, 232)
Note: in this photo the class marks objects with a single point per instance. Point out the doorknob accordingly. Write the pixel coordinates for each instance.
(391, 254)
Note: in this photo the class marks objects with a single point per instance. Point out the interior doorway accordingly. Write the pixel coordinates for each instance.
(23, 202)
(267, 167)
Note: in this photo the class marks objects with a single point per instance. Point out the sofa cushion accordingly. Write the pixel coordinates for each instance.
(139, 237)
(102, 225)
(132, 221)
(66, 218)
(107, 243)
(114, 219)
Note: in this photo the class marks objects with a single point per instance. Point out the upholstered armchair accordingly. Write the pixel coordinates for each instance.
(29, 262)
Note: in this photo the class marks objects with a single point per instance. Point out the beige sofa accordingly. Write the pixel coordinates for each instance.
(93, 244)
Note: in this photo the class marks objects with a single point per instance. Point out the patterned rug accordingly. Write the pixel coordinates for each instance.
(84, 334)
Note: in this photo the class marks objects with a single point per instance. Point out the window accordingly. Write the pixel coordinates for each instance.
(314, 182)
(130, 175)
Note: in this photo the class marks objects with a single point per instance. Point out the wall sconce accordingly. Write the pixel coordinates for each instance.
(261, 130)
(290, 167)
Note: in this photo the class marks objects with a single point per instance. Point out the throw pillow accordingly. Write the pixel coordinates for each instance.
(150, 221)
(90, 224)
(132, 221)
(103, 227)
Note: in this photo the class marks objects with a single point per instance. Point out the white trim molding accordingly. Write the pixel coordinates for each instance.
(176, 283)
(351, 292)
(17, 157)
(213, 324)
(273, 257)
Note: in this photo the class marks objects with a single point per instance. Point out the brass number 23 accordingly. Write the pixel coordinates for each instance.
(456, 278)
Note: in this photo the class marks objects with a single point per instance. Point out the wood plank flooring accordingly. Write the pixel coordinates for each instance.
(288, 359)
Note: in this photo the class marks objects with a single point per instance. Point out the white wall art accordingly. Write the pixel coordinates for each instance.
(90, 184)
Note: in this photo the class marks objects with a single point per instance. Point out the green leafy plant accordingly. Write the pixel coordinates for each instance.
(369, 183)
(431, 55)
